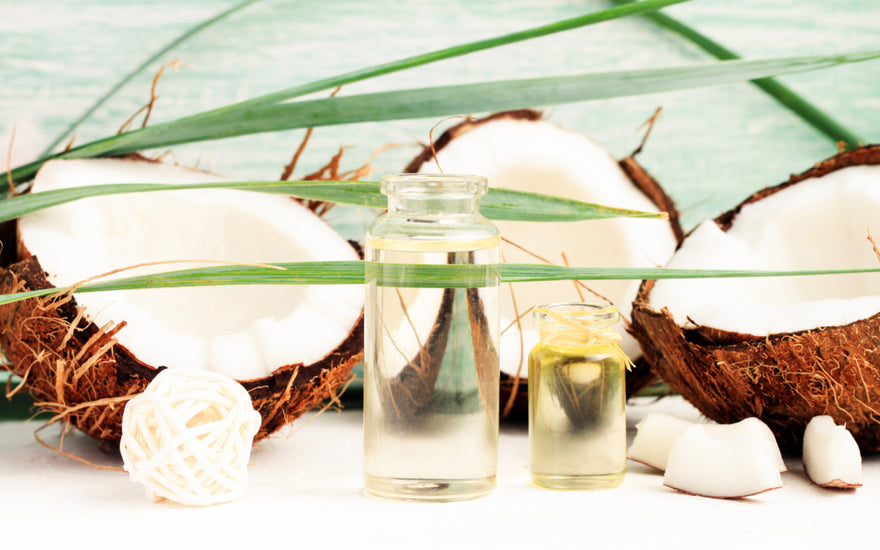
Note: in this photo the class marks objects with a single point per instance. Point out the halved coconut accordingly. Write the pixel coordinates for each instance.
(291, 346)
(519, 150)
(781, 349)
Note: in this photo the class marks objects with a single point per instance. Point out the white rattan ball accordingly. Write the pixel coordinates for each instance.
(188, 437)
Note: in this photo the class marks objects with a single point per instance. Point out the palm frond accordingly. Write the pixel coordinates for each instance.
(446, 100)
(411, 275)
(499, 204)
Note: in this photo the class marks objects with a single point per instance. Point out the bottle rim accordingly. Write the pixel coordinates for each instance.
(463, 186)
(589, 314)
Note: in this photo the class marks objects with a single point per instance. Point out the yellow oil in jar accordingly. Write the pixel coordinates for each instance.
(577, 417)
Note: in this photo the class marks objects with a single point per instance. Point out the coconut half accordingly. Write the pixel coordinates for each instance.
(518, 150)
(290, 345)
(781, 349)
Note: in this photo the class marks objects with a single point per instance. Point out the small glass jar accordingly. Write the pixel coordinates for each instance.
(430, 354)
(577, 395)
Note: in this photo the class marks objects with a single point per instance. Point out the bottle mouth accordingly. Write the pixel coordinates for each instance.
(427, 186)
(577, 313)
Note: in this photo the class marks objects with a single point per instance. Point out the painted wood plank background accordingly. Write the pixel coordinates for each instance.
(711, 148)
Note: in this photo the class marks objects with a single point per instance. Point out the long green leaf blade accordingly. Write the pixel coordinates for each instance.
(643, 6)
(499, 204)
(509, 204)
(26, 172)
(183, 37)
(464, 98)
(416, 275)
(446, 100)
(787, 97)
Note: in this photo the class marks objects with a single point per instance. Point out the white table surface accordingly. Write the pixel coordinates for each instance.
(305, 490)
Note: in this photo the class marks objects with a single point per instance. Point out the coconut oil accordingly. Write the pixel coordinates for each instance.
(430, 361)
(577, 417)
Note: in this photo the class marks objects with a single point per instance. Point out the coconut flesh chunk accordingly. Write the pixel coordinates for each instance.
(537, 156)
(751, 427)
(720, 467)
(658, 431)
(245, 332)
(831, 455)
(820, 223)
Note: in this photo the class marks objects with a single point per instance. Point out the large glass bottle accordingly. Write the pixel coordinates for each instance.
(431, 354)
(577, 394)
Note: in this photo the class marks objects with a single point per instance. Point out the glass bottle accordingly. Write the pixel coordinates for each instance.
(577, 393)
(431, 354)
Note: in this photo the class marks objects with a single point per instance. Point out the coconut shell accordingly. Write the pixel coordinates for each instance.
(783, 379)
(513, 396)
(78, 372)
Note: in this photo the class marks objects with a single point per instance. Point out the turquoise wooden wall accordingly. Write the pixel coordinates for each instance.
(711, 148)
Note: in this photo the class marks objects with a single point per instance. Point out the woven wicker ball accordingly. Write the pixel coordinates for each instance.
(188, 437)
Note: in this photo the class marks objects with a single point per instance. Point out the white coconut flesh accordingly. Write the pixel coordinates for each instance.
(658, 431)
(703, 464)
(243, 331)
(540, 157)
(754, 428)
(820, 223)
(831, 455)
(656, 434)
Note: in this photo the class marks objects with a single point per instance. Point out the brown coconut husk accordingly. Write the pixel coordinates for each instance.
(514, 397)
(783, 379)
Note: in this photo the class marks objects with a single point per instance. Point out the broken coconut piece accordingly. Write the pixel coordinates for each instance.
(519, 150)
(719, 467)
(656, 433)
(751, 427)
(831, 456)
(188, 437)
(784, 349)
(292, 346)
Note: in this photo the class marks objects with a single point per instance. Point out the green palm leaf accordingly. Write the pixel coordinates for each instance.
(26, 172)
(499, 204)
(446, 100)
(412, 275)
(635, 8)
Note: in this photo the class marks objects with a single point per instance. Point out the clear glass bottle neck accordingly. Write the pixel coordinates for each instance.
(432, 206)
(431, 195)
